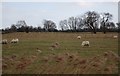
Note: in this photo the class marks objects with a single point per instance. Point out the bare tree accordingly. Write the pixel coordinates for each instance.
(13, 28)
(22, 26)
(90, 20)
(63, 25)
(49, 25)
(105, 18)
(118, 26)
(79, 23)
(72, 23)
(21, 23)
(110, 25)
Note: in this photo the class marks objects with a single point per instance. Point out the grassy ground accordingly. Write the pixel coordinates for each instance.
(55, 60)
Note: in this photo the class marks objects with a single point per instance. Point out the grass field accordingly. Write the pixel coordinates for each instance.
(68, 58)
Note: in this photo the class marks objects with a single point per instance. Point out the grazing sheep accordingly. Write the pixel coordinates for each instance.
(85, 43)
(14, 40)
(33, 57)
(106, 53)
(4, 41)
(55, 45)
(67, 54)
(78, 37)
(38, 50)
(115, 37)
(71, 56)
(52, 47)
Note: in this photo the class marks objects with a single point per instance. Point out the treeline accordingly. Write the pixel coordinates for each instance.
(91, 21)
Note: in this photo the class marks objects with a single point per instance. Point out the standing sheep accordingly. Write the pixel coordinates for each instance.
(14, 40)
(38, 50)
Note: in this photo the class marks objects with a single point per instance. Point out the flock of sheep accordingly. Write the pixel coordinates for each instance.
(87, 43)
(67, 58)
(84, 43)
(5, 41)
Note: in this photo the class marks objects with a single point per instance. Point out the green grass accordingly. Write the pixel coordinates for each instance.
(28, 42)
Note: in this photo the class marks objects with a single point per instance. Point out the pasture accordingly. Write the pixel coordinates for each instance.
(68, 58)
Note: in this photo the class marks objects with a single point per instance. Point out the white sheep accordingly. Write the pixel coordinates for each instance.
(15, 40)
(78, 37)
(4, 41)
(85, 43)
(38, 50)
(115, 37)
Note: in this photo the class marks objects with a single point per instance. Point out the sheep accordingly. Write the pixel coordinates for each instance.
(78, 37)
(67, 54)
(14, 40)
(85, 43)
(52, 47)
(4, 41)
(55, 45)
(115, 37)
(59, 59)
(38, 50)
(33, 56)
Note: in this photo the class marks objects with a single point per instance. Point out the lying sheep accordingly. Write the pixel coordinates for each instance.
(14, 41)
(85, 43)
(4, 41)
(78, 37)
(115, 37)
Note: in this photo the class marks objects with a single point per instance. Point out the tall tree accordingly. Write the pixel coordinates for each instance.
(21, 23)
(72, 21)
(49, 25)
(79, 23)
(90, 20)
(105, 17)
(63, 25)
(22, 26)
(110, 25)
(118, 24)
(13, 28)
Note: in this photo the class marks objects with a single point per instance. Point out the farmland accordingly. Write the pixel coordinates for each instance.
(68, 58)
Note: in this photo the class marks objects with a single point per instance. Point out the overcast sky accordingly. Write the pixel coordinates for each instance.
(34, 12)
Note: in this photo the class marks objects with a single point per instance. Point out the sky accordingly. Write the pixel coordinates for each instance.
(35, 12)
